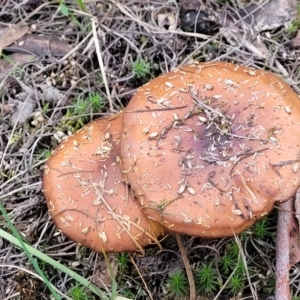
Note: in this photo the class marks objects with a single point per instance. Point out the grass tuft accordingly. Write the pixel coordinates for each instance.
(206, 279)
(177, 285)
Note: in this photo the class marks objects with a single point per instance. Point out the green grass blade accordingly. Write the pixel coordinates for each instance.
(55, 264)
(25, 247)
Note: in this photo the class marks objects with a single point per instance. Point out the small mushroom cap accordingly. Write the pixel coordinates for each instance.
(208, 148)
(86, 196)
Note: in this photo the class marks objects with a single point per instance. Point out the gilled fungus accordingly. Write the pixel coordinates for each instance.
(86, 195)
(208, 148)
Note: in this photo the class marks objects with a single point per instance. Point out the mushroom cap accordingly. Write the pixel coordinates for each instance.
(86, 196)
(209, 147)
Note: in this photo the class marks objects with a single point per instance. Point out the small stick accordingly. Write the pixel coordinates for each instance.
(188, 267)
(145, 284)
(101, 64)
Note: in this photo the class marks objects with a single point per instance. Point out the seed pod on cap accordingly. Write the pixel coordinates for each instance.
(86, 195)
(238, 153)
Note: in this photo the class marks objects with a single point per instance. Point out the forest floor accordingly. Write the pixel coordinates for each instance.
(61, 82)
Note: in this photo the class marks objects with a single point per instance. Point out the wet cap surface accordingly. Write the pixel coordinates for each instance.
(208, 148)
(86, 196)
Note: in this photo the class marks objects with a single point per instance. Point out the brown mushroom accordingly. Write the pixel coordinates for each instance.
(86, 196)
(209, 147)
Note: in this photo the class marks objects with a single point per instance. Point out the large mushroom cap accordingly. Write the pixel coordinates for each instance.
(208, 148)
(86, 196)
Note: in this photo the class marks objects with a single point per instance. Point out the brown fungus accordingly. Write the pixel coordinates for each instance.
(86, 195)
(209, 147)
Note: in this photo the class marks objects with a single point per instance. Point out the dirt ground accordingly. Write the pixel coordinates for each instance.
(78, 61)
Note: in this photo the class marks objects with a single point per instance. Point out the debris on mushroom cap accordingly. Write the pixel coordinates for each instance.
(86, 196)
(208, 148)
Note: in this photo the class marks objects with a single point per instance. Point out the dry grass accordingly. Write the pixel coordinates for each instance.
(106, 41)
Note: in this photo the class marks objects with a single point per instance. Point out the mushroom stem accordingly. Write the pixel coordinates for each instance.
(282, 251)
(188, 267)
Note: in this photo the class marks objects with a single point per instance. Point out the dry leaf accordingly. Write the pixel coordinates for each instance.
(8, 62)
(11, 34)
(23, 111)
(25, 104)
(50, 93)
(41, 45)
(269, 15)
(102, 277)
